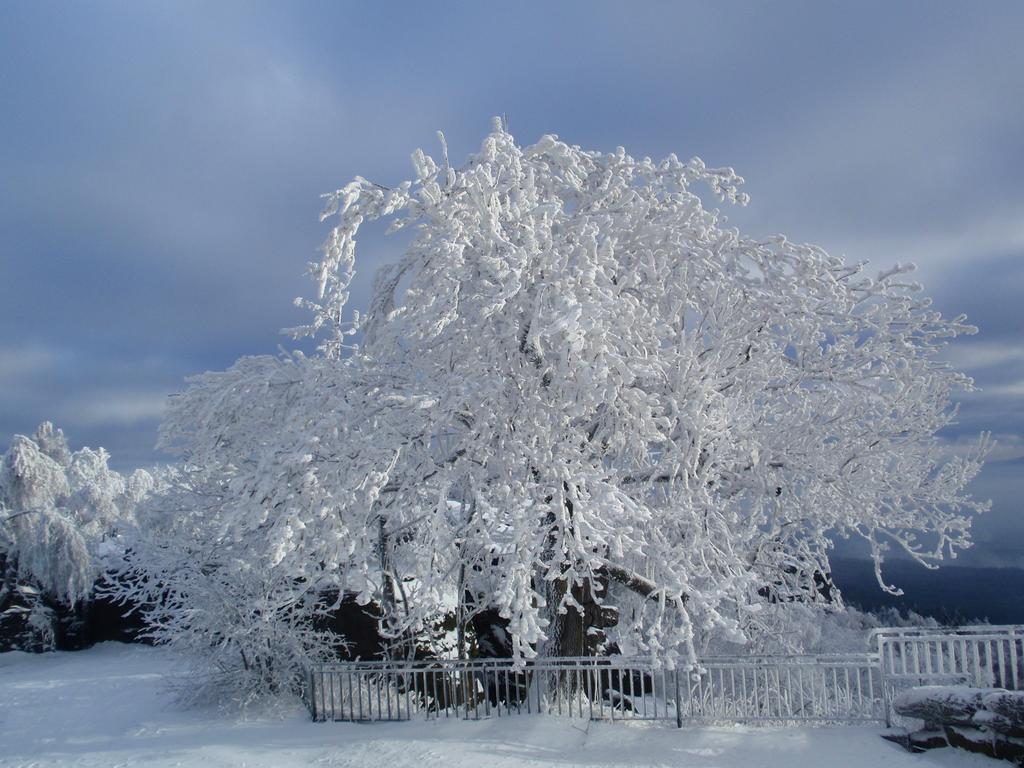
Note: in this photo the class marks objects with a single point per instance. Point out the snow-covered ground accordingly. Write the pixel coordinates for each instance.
(107, 706)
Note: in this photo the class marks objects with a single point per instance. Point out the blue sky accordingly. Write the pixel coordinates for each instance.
(162, 165)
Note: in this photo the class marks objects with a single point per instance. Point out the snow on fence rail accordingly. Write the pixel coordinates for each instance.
(844, 688)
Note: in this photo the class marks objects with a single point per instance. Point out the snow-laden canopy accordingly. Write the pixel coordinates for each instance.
(577, 376)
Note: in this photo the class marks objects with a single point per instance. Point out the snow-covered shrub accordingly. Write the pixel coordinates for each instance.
(27, 623)
(245, 624)
(811, 628)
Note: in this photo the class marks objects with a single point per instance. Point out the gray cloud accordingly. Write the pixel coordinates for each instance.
(163, 165)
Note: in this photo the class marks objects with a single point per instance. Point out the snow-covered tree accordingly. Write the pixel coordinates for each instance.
(61, 514)
(577, 381)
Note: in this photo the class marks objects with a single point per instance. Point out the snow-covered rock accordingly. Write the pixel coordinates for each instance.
(983, 720)
(1003, 712)
(940, 704)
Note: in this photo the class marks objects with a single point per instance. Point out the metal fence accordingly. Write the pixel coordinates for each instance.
(822, 689)
(577, 687)
(981, 656)
(844, 688)
(819, 689)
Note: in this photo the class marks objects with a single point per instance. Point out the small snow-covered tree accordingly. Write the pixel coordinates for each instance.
(61, 514)
(576, 380)
(245, 625)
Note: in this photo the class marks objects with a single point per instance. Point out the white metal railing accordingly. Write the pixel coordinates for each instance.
(843, 688)
(589, 687)
(821, 689)
(981, 656)
(846, 688)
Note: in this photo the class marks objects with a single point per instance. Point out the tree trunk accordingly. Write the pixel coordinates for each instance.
(566, 631)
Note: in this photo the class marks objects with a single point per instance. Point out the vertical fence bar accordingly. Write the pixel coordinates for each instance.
(312, 694)
(497, 689)
(519, 698)
(502, 674)
(582, 679)
(1014, 672)
(591, 688)
(323, 693)
(679, 701)
(836, 697)
(613, 701)
(558, 693)
(812, 691)
(990, 667)
(351, 699)
(860, 691)
(754, 688)
(626, 676)
(436, 702)
(314, 691)
(542, 689)
(789, 692)
(1002, 664)
(334, 713)
(359, 692)
(379, 708)
(975, 663)
(406, 686)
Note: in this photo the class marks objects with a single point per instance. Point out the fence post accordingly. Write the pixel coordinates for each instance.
(883, 682)
(312, 693)
(679, 700)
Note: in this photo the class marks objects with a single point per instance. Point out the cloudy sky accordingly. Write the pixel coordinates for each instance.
(161, 167)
